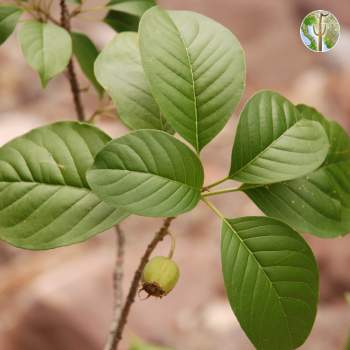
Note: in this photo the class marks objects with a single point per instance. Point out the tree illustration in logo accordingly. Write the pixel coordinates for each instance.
(320, 31)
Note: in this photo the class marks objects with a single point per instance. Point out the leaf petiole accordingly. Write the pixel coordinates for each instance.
(241, 188)
(213, 208)
(225, 190)
(216, 183)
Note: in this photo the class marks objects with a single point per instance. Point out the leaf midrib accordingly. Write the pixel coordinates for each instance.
(48, 184)
(263, 151)
(322, 167)
(188, 56)
(42, 51)
(151, 174)
(263, 271)
(266, 149)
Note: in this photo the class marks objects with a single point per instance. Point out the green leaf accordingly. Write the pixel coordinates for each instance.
(46, 47)
(318, 203)
(339, 140)
(45, 201)
(9, 16)
(118, 69)
(149, 173)
(86, 53)
(122, 22)
(271, 279)
(124, 15)
(132, 7)
(196, 71)
(273, 143)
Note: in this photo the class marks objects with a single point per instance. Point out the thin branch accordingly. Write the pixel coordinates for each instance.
(46, 14)
(225, 190)
(74, 85)
(117, 333)
(118, 276)
(80, 10)
(241, 188)
(36, 11)
(217, 212)
(103, 111)
(27, 9)
(216, 183)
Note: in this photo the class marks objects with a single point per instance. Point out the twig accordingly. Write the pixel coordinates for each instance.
(79, 10)
(36, 11)
(74, 85)
(27, 9)
(117, 332)
(46, 14)
(117, 286)
(102, 112)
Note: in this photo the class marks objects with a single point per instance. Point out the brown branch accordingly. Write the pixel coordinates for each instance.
(117, 332)
(74, 85)
(117, 286)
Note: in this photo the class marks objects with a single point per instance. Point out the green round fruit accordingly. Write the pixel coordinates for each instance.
(160, 276)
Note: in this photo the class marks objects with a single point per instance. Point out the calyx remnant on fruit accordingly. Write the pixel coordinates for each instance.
(160, 276)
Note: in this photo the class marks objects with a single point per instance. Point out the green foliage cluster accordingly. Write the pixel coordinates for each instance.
(182, 74)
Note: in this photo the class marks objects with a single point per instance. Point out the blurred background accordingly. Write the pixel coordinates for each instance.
(62, 299)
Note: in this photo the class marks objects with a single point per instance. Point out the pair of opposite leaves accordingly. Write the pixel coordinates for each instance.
(46, 200)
